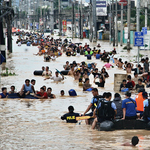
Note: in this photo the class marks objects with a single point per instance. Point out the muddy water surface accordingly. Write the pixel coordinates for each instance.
(35, 124)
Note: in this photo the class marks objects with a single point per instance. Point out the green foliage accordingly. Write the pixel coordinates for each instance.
(7, 73)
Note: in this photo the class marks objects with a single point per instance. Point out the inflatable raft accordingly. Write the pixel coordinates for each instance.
(120, 124)
(15, 95)
(39, 72)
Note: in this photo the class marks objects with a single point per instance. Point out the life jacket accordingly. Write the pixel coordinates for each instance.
(139, 101)
(105, 111)
(147, 110)
(94, 105)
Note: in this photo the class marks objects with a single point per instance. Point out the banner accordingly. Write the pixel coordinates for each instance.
(64, 23)
(101, 8)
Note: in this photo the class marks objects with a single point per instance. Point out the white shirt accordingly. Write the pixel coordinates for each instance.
(53, 57)
(56, 78)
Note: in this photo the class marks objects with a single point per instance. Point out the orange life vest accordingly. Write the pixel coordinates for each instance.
(139, 101)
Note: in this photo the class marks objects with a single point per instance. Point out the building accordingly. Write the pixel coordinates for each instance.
(66, 3)
(143, 3)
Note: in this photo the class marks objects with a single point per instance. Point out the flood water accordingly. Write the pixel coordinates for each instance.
(36, 124)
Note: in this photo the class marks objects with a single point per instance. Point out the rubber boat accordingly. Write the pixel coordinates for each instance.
(15, 95)
(39, 72)
(120, 124)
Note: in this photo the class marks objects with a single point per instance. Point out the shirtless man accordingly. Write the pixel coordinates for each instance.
(120, 63)
(85, 75)
(77, 75)
(71, 72)
(134, 142)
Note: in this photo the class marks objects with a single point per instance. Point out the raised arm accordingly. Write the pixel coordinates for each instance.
(88, 108)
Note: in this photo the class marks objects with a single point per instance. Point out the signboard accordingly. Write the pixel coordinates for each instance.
(138, 39)
(144, 30)
(146, 42)
(64, 23)
(124, 2)
(101, 8)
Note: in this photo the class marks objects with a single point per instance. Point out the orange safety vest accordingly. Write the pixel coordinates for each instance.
(139, 101)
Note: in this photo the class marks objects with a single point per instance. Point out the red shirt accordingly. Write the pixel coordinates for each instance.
(45, 94)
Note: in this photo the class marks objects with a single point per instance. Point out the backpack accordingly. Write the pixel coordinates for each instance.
(105, 111)
(72, 92)
(147, 110)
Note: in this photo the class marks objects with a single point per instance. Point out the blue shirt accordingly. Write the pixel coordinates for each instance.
(28, 88)
(3, 96)
(130, 107)
(146, 105)
(88, 56)
(94, 100)
(98, 56)
(112, 105)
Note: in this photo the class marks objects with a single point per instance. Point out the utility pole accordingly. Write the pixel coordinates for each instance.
(9, 30)
(94, 22)
(81, 22)
(2, 41)
(121, 40)
(110, 15)
(60, 26)
(52, 15)
(72, 18)
(78, 20)
(40, 18)
(74, 22)
(113, 28)
(128, 18)
(146, 13)
(90, 20)
(138, 24)
(116, 31)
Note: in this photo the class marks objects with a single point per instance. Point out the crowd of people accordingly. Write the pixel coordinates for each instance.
(127, 109)
(28, 89)
(82, 71)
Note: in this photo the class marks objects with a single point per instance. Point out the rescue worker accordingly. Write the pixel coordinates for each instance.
(92, 105)
(70, 117)
(129, 107)
(106, 110)
(139, 101)
(146, 103)
(118, 102)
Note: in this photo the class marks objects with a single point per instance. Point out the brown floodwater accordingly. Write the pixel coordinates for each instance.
(36, 124)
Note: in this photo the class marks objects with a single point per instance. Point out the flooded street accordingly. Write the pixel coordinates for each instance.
(35, 124)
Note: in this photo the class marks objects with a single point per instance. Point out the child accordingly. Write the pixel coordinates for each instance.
(62, 93)
(80, 82)
(134, 142)
(108, 65)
